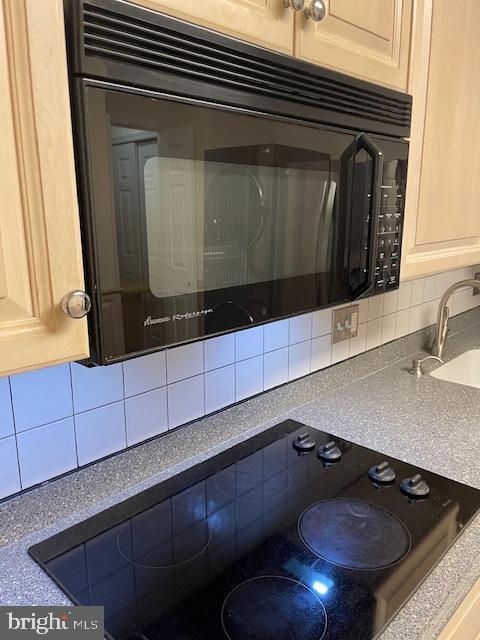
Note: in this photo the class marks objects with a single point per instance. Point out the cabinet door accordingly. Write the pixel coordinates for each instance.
(40, 249)
(442, 224)
(265, 22)
(465, 622)
(365, 38)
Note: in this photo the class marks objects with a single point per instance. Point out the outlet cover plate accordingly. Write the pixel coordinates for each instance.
(345, 323)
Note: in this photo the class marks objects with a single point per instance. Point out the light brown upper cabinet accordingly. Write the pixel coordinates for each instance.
(369, 39)
(442, 218)
(40, 249)
(265, 22)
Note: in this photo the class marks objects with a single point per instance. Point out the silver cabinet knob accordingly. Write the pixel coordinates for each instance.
(76, 304)
(316, 10)
(296, 5)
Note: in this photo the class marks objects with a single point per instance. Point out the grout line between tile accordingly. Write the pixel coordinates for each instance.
(73, 416)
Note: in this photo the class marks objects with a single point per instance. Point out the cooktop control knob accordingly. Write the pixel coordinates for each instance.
(382, 473)
(330, 452)
(415, 487)
(304, 442)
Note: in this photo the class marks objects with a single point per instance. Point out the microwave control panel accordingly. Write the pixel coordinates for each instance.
(389, 238)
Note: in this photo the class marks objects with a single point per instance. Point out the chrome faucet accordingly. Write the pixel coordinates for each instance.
(441, 329)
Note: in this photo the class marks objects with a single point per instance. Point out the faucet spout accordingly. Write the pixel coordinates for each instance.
(441, 329)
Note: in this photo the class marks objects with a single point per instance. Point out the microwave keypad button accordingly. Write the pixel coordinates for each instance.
(392, 283)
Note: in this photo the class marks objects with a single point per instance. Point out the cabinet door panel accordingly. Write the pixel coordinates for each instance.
(265, 22)
(366, 38)
(40, 249)
(442, 219)
(449, 192)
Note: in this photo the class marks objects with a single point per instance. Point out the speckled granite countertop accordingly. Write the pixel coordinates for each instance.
(426, 422)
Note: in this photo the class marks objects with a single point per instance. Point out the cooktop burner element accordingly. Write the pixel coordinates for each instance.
(191, 537)
(273, 608)
(265, 541)
(354, 534)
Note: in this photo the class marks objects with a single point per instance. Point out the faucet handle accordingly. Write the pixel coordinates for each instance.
(417, 364)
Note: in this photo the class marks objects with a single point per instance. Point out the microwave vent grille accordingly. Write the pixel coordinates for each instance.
(117, 36)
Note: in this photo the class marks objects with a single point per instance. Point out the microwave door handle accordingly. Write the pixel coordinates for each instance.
(366, 143)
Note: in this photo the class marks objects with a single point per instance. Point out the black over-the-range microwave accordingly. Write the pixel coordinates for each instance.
(223, 185)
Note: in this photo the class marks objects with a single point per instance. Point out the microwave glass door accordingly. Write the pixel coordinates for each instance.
(206, 219)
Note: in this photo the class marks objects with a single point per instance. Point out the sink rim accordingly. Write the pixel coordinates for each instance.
(449, 371)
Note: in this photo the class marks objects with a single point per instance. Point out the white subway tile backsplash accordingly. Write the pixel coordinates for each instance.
(219, 351)
(440, 286)
(186, 401)
(299, 359)
(144, 374)
(219, 388)
(100, 432)
(322, 322)
(429, 313)
(374, 333)
(362, 310)
(358, 344)
(184, 362)
(275, 368)
(96, 386)
(248, 343)
(275, 335)
(321, 352)
(403, 318)
(388, 328)
(47, 451)
(248, 378)
(454, 303)
(450, 278)
(415, 319)
(390, 301)
(340, 351)
(429, 288)
(41, 396)
(464, 273)
(375, 307)
(464, 299)
(300, 328)
(9, 476)
(417, 292)
(404, 296)
(121, 405)
(6, 412)
(146, 415)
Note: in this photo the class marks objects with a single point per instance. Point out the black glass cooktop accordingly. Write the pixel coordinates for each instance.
(293, 534)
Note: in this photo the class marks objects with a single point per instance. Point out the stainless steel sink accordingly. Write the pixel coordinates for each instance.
(464, 369)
